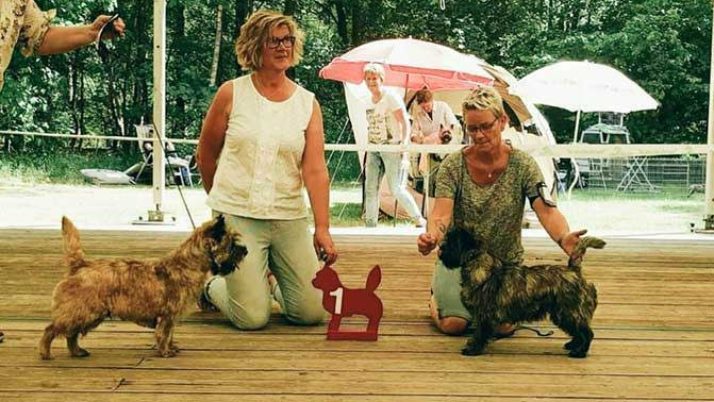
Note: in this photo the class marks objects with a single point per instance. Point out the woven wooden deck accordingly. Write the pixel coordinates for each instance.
(654, 335)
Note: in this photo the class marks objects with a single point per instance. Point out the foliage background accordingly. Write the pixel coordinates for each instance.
(664, 45)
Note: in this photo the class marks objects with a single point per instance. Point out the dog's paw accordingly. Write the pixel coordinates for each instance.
(80, 353)
(569, 345)
(471, 351)
(578, 354)
(46, 356)
(167, 353)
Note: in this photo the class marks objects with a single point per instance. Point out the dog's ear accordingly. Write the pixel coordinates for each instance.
(218, 229)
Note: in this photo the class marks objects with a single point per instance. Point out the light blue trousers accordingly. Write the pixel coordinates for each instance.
(286, 248)
(378, 165)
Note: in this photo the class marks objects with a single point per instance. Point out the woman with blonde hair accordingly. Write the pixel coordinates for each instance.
(261, 143)
(485, 186)
(387, 123)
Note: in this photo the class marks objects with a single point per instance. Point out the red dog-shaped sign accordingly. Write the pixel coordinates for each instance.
(343, 302)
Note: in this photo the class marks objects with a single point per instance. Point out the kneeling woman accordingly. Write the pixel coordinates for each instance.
(262, 142)
(485, 186)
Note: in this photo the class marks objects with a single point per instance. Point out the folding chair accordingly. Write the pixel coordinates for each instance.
(179, 168)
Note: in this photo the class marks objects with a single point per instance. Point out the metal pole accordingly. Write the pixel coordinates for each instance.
(577, 127)
(709, 187)
(159, 112)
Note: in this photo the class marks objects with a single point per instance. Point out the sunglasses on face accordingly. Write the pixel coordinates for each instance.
(287, 42)
(484, 128)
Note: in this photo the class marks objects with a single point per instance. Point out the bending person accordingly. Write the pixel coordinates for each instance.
(262, 142)
(485, 186)
(433, 123)
(388, 123)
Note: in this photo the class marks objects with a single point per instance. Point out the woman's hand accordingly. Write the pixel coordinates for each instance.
(118, 26)
(426, 242)
(569, 241)
(324, 247)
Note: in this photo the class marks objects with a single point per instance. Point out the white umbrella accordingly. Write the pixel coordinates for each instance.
(582, 86)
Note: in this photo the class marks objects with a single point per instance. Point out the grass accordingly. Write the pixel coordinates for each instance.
(669, 209)
(59, 167)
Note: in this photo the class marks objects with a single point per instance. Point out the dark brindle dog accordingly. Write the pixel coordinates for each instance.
(150, 292)
(500, 293)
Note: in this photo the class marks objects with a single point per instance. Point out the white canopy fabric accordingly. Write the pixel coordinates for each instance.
(583, 86)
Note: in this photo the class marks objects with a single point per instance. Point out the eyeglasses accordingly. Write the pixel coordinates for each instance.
(484, 128)
(287, 42)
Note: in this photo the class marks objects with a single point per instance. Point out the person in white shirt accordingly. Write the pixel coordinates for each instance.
(388, 123)
(433, 123)
(261, 144)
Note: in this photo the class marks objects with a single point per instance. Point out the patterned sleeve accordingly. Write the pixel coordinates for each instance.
(532, 175)
(34, 27)
(447, 177)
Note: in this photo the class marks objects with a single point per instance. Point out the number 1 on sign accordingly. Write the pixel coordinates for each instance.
(338, 300)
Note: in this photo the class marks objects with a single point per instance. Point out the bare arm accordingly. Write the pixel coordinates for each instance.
(59, 39)
(317, 182)
(439, 222)
(556, 226)
(404, 129)
(213, 134)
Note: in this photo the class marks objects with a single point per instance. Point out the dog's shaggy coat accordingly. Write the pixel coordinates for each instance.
(498, 293)
(151, 292)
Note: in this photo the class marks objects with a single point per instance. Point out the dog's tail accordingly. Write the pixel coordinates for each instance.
(374, 278)
(586, 242)
(73, 254)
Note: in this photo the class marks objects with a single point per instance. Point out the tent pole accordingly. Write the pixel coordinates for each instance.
(709, 186)
(156, 215)
(577, 127)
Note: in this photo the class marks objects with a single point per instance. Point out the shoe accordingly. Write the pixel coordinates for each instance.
(420, 222)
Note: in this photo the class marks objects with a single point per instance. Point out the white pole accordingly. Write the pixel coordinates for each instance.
(577, 127)
(159, 113)
(709, 186)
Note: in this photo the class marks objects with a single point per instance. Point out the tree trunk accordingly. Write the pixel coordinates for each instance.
(73, 67)
(217, 45)
(342, 22)
(290, 7)
(180, 121)
(358, 23)
(243, 9)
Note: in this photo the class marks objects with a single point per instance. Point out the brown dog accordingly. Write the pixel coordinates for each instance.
(343, 302)
(151, 293)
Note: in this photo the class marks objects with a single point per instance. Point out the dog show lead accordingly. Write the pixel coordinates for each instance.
(485, 185)
(261, 143)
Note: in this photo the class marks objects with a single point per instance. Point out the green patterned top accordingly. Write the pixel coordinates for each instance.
(494, 210)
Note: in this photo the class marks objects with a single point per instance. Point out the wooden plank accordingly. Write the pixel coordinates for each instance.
(213, 324)
(523, 343)
(386, 383)
(118, 396)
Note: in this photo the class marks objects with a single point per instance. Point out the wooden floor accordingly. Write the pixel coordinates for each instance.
(654, 335)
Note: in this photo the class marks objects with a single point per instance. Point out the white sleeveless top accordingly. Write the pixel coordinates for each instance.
(259, 172)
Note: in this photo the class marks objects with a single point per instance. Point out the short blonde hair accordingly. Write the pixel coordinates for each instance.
(374, 68)
(484, 98)
(254, 35)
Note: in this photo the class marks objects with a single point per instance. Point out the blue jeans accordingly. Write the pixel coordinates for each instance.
(283, 246)
(378, 165)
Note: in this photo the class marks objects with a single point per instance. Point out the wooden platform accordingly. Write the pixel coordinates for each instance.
(654, 333)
